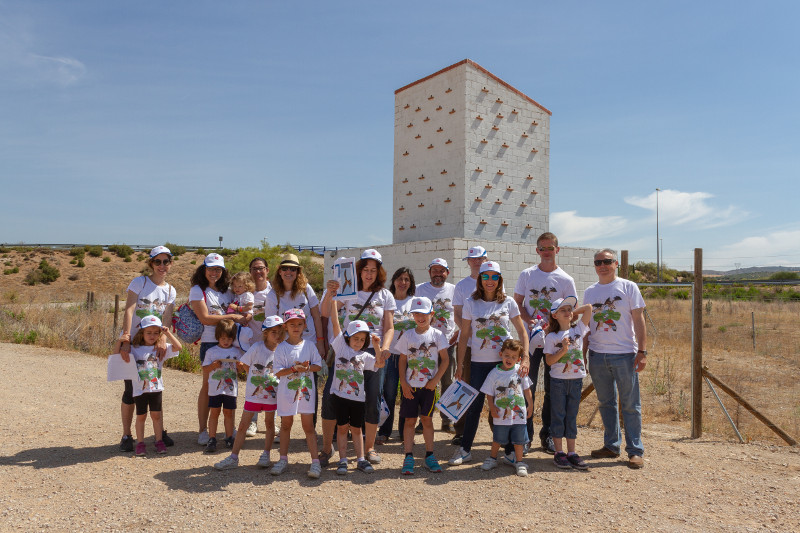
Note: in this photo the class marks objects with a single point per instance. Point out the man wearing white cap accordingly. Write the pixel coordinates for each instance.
(441, 294)
(536, 288)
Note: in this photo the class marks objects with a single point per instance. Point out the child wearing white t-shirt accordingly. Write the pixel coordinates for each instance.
(242, 285)
(508, 394)
(261, 391)
(220, 368)
(148, 388)
(296, 360)
(563, 350)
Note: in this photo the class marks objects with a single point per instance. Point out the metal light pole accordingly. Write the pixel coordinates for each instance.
(658, 254)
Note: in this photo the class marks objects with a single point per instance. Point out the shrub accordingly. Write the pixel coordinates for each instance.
(45, 273)
(11, 271)
(193, 262)
(122, 250)
(184, 361)
(77, 253)
(21, 338)
(176, 249)
(227, 252)
(201, 251)
(73, 262)
(128, 259)
(778, 276)
(141, 257)
(73, 277)
(106, 259)
(81, 264)
(94, 251)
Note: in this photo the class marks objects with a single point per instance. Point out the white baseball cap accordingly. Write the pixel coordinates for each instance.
(214, 260)
(150, 320)
(439, 261)
(372, 254)
(475, 251)
(492, 266)
(160, 250)
(421, 304)
(567, 300)
(271, 322)
(356, 326)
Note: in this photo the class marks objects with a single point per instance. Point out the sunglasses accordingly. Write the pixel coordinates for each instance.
(289, 269)
(598, 262)
(258, 269)
(547, 248)
(493, 277)
(159, 262)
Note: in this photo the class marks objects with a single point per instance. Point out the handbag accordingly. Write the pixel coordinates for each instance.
(185, 323)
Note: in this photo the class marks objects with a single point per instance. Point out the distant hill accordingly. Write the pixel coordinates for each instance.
(748, 273)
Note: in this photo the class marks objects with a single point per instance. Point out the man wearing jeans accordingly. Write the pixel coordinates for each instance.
(617, 353)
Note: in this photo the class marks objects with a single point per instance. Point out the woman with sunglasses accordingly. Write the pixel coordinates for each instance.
(291, 290)
(209, 298)
(486, 318)
(147, 295)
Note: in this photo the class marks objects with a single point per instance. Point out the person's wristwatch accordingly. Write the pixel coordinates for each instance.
(643, 352)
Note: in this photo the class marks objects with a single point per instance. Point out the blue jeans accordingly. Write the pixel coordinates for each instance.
(565, 397)
(477, 375)
(391, 380)
(612, 372)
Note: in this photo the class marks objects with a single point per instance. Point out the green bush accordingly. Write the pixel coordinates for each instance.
(122, 250)
(106, 259)
(128, 259)
(8, 271)
(780, 276)
(45, 273)
(22, 338)
(176, 249)
(227, 252)
(184, 361)
(80, 264)
(77, 253)
(313, 270)
(94, 251)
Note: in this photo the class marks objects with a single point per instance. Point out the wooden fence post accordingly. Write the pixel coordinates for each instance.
(116, 313)
(697, 346)
(623, 264)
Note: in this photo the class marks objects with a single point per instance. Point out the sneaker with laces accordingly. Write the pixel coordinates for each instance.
(365, 466)
(509, 459)
(161, 447)
(263, 460)
(227, 463)
(373, 457)
(126, 443)
(202, 438)
(279, 467)
(167, 439)
(526, 449)
(342, 468)
(315, 470)
(251, 430)
(456, 440)
(141, 449)
(408, 466)
(561, 461)
(489, 463)
(522, 469)
(324, 458)
(576, 462)
(460, 457)
(432, 464)
(548, 446)
(211, 446)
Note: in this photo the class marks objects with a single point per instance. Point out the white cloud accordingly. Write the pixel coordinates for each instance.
(20, 62)
(574, 229)
(676, 208)
(60, 70)
(777, 248)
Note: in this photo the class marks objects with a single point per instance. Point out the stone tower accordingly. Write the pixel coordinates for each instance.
(471, 159)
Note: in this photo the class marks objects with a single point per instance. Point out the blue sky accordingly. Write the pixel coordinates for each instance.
(182, 121)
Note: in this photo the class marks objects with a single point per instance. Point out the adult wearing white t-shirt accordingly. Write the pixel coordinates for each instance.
(403, 289)
(259, 271)
(146, 295)
(209, 298)
(476, 256)
(374, 305)
(487, 319)
(617, 353)
(442, 294)
(536, 288)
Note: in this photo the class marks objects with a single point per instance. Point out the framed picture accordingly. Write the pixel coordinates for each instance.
(455, 401)
(344, 271)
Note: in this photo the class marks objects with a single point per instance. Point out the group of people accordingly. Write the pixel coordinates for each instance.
(407, 340)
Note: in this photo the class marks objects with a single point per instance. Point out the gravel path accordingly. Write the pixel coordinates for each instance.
(60, 470)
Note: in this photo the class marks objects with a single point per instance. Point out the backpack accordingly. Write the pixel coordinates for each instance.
(186, 325)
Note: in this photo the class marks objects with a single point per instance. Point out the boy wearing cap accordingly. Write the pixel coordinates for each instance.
(441, 294)
(420, 351)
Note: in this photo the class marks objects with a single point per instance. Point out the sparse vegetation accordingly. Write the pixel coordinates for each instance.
(176, 249)
(8, 271)
(45, 273)
(121, 250)
(106, 259)
(94, 251)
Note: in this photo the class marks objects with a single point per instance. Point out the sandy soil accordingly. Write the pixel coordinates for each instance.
(60, 470)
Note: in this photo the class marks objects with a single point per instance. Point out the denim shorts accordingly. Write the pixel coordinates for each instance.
(515, 434)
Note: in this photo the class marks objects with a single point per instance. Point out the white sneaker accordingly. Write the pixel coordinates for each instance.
(460, 457)
(227, 463)
(251, 429)
(315, 471)
(510, 459)
(279, 467)
(202, 439)
(264, 461)
(489, 463)
(522, 469)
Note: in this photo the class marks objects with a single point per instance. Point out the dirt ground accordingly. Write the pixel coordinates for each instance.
(60, 470)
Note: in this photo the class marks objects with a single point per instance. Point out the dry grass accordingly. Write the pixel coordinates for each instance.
(767, 376)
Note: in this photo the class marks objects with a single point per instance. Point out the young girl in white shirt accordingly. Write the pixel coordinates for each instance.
(148, 387)
(296, 360)
(242, 286)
